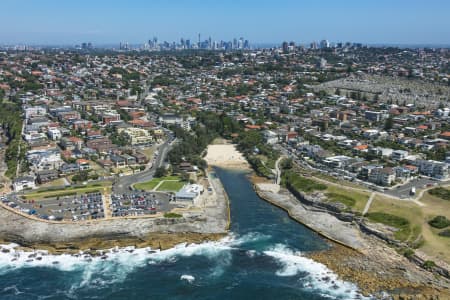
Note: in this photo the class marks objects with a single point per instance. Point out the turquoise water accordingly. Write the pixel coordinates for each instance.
(260, 259)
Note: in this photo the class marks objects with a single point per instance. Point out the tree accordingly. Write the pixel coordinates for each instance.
(286, 164)
(388, 123)
(184, 176)
(160, 172)
(81, 176)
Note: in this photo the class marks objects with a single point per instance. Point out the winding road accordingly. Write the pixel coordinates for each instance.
(122, 184)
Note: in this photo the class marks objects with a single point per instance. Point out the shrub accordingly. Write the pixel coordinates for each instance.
(344, 199)
(303, 184)
(408, 253)
(172, 215)
(441, 193)
(439, 222)
(61, 195)
(429, 264)
(400, 223)
(445, 233)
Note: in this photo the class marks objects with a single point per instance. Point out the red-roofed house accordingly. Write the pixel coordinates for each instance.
(445, 135)
(252, 127)
(361, 148)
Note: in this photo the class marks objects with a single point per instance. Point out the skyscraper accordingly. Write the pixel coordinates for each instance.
(241, 43)
(285, 47)
(324, 44)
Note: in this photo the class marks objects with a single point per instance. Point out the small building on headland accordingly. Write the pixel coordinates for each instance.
(189, 192)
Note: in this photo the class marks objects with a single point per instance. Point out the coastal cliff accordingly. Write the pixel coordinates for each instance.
(355, 256)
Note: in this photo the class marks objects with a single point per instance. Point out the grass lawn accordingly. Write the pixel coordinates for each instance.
(55, 183)
(440, 192)
(401, 214)
(150, 185)
(147, 186)
(356, 200)
(303, 184)
(402, 224)
(49, 192)
(435, 245)
(432, 244)
(171, 186)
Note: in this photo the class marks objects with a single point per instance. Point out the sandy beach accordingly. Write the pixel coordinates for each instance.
(225, 156)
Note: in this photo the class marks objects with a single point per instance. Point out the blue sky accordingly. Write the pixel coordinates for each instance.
(112, 21)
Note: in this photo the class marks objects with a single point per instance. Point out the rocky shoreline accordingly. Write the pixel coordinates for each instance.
(158, 240)
(374, 266)
(382, 271)
(210, 223)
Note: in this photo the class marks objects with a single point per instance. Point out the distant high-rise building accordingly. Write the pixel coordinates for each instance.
(324, 44)
(313, 45)
(241, 43)
(87, 46)
(285, 47)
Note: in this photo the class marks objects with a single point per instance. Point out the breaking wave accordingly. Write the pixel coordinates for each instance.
(188, 278)
(315, 276)
(113, 265)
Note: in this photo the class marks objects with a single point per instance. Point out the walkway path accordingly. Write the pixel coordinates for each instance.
(277, 170)
(369, 202)
(161, 182)
(107, 204)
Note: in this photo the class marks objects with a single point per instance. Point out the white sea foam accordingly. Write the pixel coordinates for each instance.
(188, 278)
(113, 265)
(12, 288)
(317, 276)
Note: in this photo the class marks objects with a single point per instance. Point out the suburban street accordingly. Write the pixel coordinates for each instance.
(121, 184)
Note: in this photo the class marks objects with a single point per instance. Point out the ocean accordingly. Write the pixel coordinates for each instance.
(263, 257)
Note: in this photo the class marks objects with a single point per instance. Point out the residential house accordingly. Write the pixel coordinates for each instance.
(382, 176)
(46, 176)
(22, 183)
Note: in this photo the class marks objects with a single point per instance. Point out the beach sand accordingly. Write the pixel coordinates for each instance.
(225, 156)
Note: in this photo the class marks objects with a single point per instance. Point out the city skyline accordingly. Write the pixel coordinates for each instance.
(51, 22)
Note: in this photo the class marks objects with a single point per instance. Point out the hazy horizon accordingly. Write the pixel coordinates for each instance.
(51, 22)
